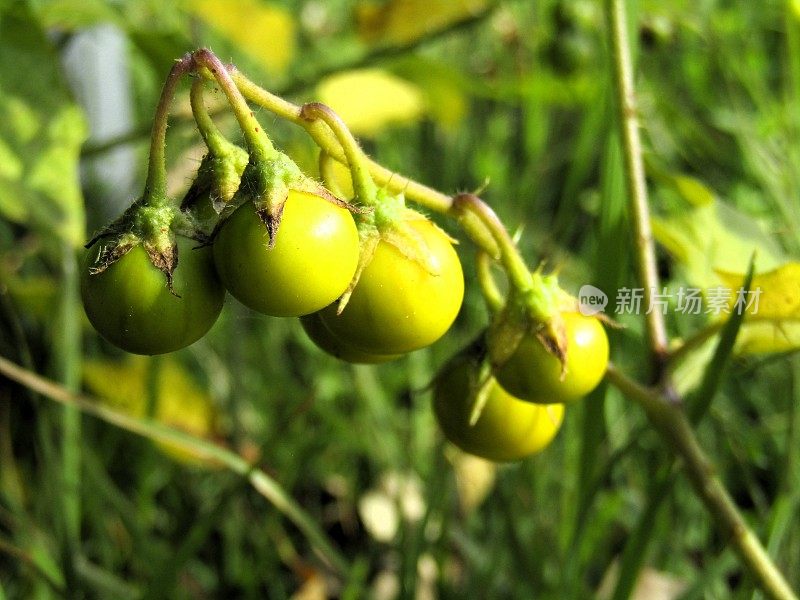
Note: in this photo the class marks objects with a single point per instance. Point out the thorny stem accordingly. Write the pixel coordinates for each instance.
(156, 183)
(645, 255)
(671, 422)
(663, 411)
(258, 143)
(261, 482)
(363, 184)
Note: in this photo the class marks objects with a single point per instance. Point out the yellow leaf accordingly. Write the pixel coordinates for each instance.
(399, 22)
(371, 99)
(179, 403)
(772, 306)
(760, 337)
(264, 31)
(777, 291)
(121, 384)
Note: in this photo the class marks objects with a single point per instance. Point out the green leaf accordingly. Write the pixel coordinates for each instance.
(54, 173)
(692, 190)
(40, 134)
(715, 368)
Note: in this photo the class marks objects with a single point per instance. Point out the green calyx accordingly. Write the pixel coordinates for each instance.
(534, 311)
(389, 221)
(215, 185)
(266, 182)
(150, 222)
(388, 209)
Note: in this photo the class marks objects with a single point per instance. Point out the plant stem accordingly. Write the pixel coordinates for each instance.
(635, 175)
(664, 414)
(491, 293)
(519, 275)
(671, 422)
(212, 136)
(323, 136)
(327, 165)
(257, 140)
(326, 139)
(156, 184)
(153, 430)
(363, 185)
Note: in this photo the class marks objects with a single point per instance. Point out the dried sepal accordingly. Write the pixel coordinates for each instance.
(165, 259)
(553, 336)
(111, 251)
(481, 383)
(272, 221)
(368, 244)
(154, 226)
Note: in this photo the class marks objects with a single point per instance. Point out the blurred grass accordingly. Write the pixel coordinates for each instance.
(720, 86)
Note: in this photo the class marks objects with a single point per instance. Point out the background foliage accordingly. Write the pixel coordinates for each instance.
(455, 94)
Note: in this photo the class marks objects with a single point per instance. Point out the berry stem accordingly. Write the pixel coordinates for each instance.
(258, 143)
(325, 139)
(491, 293)
(327, 164)
(213, 138)
(519, 275)
(155, 190)
(363, 185)
(413, 190)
